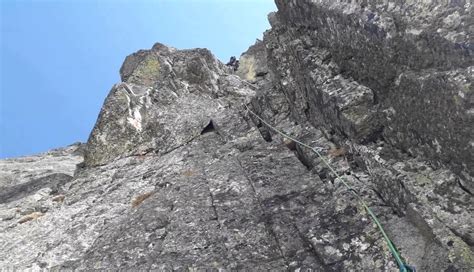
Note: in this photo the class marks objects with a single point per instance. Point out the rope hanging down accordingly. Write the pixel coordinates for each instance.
(401, 264)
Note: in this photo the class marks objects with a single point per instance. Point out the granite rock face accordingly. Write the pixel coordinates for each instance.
(177, 174)
(167, 98)
(401, 72)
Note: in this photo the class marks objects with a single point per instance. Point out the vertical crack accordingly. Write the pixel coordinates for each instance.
(208, 185)
(464, 188)
(213, 206)
(268, 222)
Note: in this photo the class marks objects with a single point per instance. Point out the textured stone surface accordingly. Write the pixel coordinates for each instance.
(167, 98)
(16, 171)
(380, 82)
(382, 69)
(178, 175)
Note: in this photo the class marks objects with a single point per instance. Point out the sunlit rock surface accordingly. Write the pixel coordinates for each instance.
(178, 175)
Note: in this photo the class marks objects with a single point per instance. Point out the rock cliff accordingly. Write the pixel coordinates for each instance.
(177, 174)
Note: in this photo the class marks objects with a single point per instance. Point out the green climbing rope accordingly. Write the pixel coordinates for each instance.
(401, 264)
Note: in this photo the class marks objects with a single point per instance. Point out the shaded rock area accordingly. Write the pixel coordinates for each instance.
(177, 174)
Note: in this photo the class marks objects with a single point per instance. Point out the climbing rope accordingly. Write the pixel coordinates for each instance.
(401, 264)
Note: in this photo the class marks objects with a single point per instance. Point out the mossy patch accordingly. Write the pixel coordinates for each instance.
(422, 180)
(461, 253)
(457, 100)
(467, 88)
(147, 71)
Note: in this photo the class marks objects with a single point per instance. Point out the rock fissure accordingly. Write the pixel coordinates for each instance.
(266, 217)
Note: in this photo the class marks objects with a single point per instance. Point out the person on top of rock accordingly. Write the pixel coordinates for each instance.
(232, 61)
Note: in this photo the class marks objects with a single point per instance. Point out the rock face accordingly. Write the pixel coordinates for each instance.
(166, 99)
(414, 88)
(177, 174)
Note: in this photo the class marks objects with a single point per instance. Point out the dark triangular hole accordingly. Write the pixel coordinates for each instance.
(208, 128)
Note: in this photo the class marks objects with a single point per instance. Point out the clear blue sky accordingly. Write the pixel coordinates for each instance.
(59, 58)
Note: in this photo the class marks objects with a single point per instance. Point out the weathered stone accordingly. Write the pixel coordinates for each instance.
(179, 175)
(386, 82)
(172, 107)
(397, 59)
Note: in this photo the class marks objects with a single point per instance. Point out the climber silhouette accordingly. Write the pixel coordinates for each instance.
(233, 62)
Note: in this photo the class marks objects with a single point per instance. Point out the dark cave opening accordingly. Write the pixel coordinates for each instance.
(209, 128)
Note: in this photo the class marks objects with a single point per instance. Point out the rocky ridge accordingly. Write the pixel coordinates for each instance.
(178, 175)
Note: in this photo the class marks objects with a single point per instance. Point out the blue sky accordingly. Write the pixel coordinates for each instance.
(59, 58)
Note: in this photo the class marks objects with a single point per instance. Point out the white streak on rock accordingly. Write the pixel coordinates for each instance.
(136, 119)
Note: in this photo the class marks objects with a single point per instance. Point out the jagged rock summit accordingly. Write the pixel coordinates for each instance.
(177, 174)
